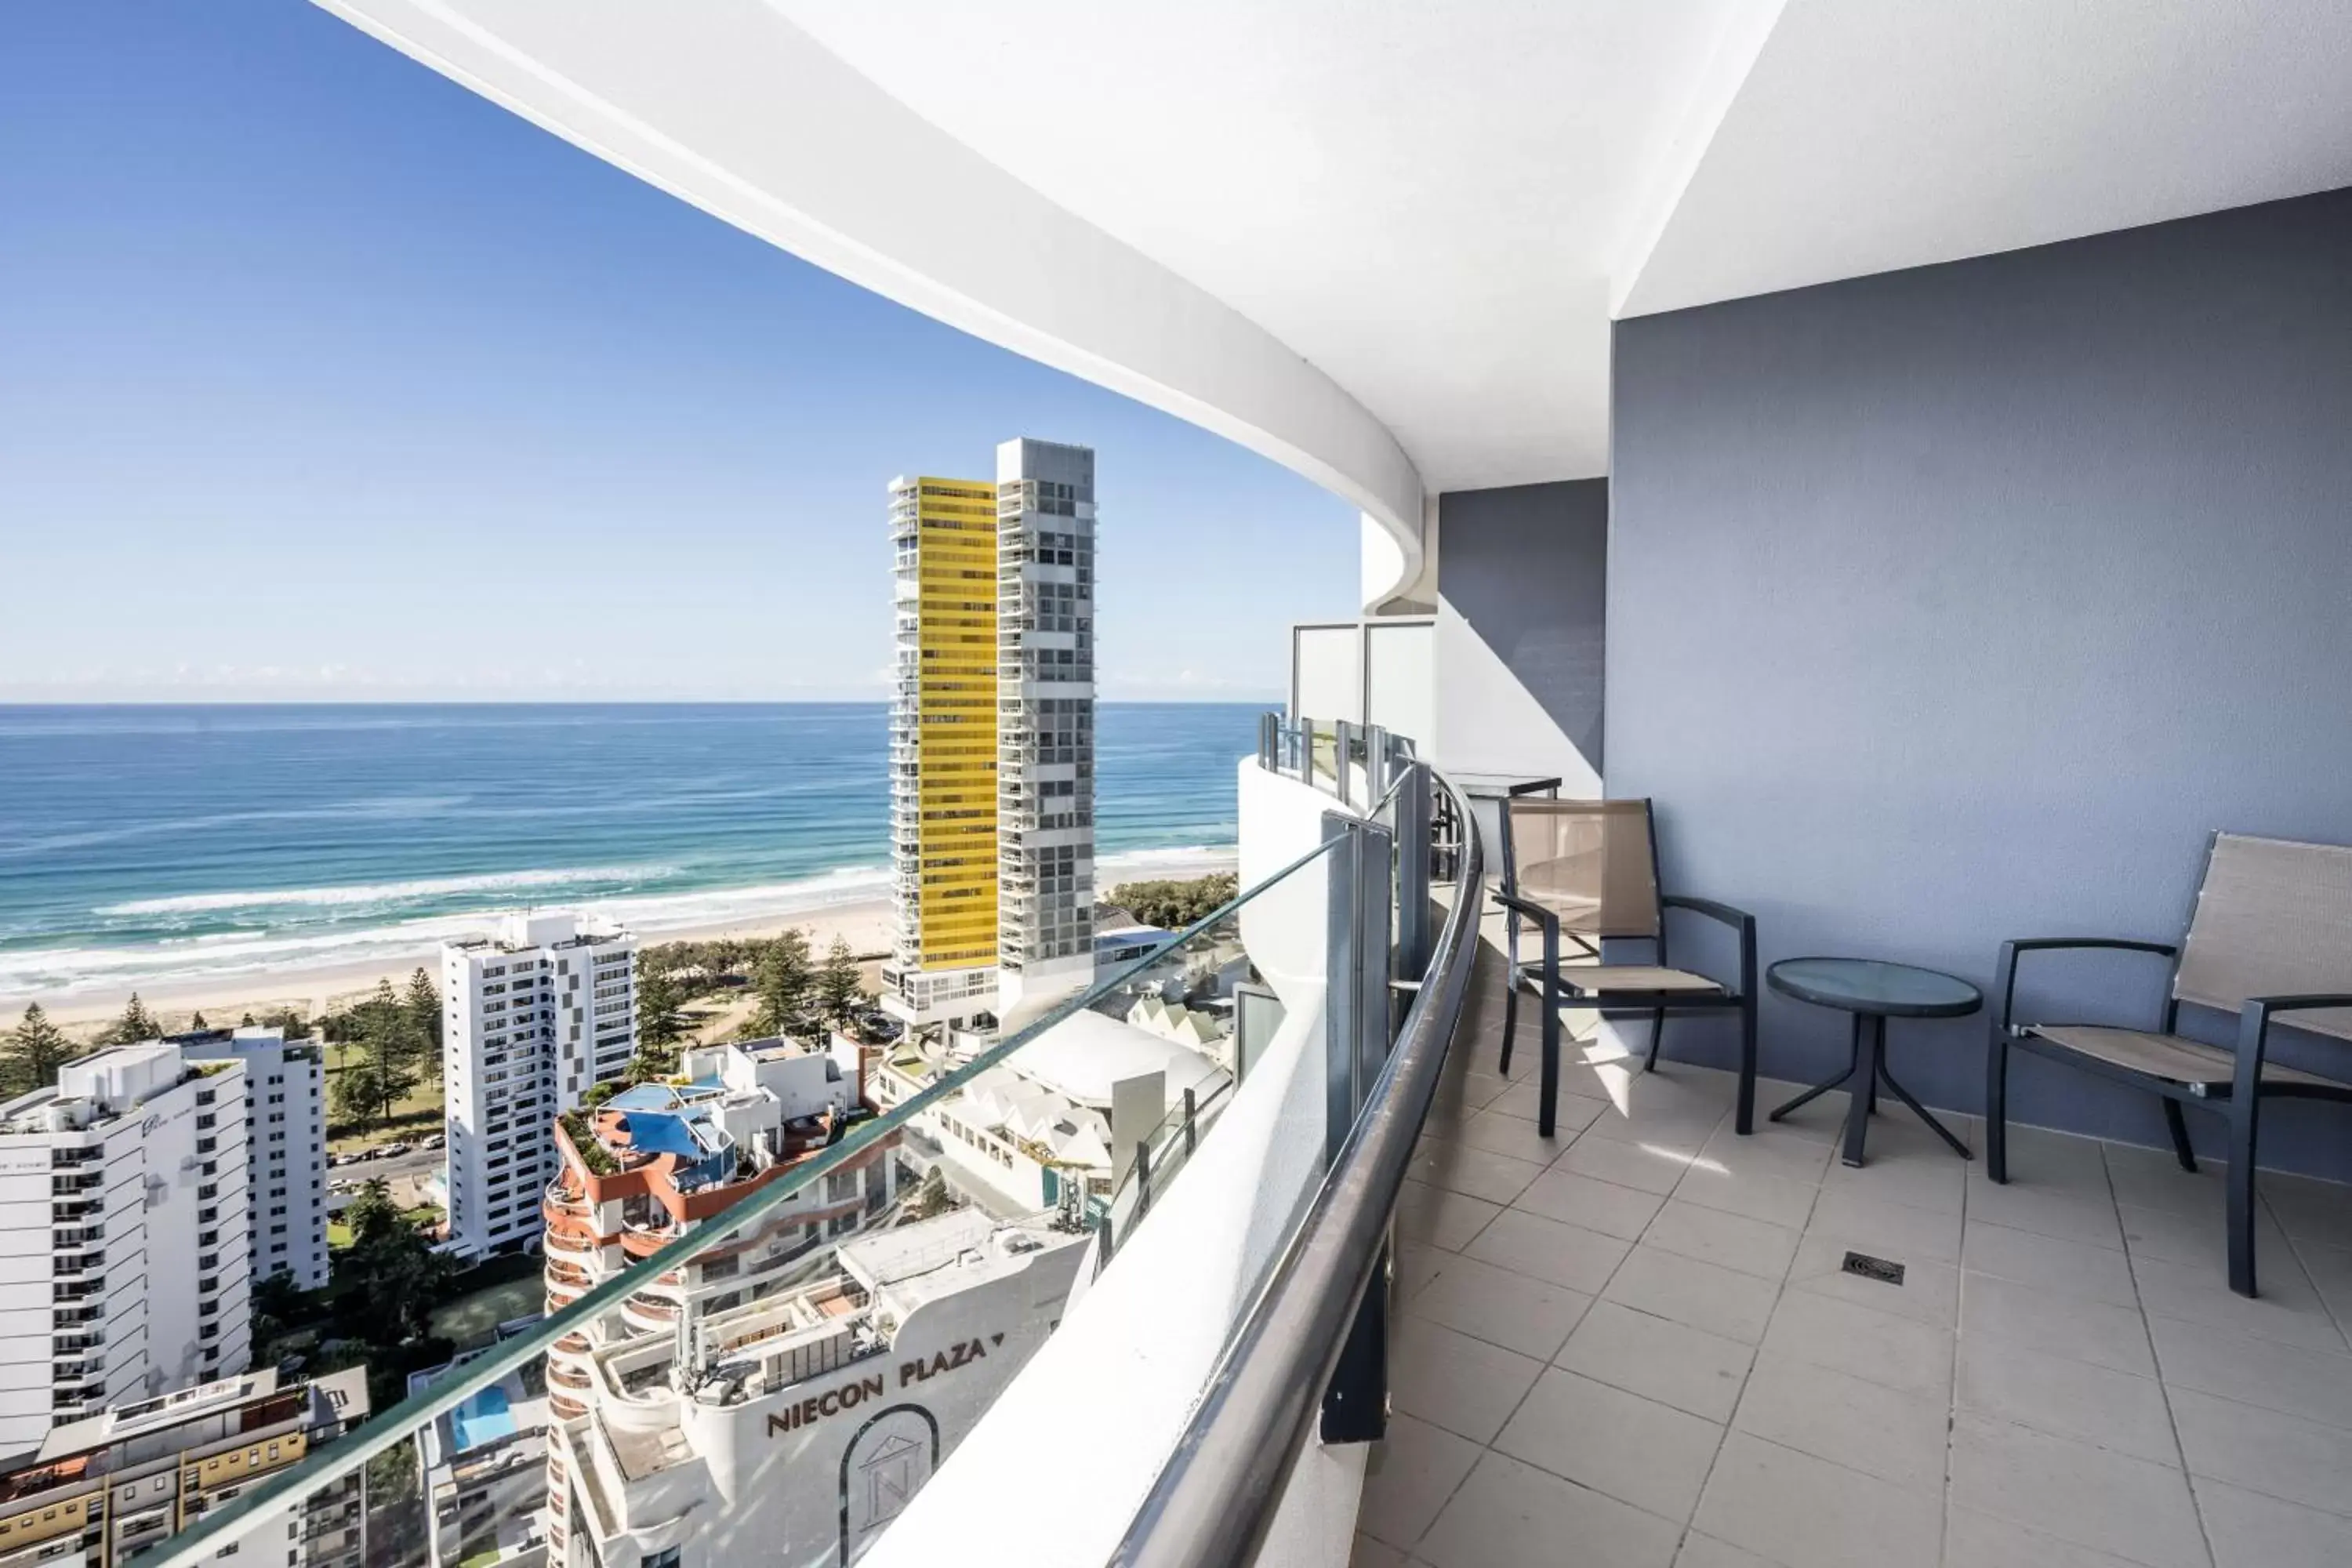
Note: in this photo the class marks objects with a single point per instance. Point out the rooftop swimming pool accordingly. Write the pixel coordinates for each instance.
(482, 1419)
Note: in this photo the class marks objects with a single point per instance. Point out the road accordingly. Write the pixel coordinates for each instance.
(403, 1170)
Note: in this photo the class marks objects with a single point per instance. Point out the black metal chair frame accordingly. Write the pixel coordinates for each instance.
(2241, 1102)
(1655, 1004)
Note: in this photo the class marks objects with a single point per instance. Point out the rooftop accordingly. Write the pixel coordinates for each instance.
(748, 1107)
(1086, 1053)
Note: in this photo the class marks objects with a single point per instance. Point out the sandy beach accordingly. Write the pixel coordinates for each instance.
(313, 989)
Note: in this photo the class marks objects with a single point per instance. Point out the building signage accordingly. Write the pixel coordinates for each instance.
(850, 1395)
(832, 1402)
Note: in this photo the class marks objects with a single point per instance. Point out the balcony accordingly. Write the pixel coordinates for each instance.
(1643, 1331)
(1944, 555)
(650, 1311)
(636, 1243)
(575, 1252)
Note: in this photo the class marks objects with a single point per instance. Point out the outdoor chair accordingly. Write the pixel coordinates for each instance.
(2271, 934)
(1586, 873)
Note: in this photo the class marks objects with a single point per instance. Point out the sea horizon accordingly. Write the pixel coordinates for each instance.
(173, 844)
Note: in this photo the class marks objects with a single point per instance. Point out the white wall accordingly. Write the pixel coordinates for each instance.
(1489, 722)
(1083, 1433)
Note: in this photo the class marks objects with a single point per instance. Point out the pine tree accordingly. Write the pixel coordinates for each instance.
(393, 1082)
(423, 1007)
(783, 980)
(661, 1015)
(388, 1027)
(840, 987)
(358, 1093)
(249, 1022)
(136, 1023)
(36, 1050)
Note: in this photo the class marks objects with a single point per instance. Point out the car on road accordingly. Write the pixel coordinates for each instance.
(393, 1150)
(438, 1141)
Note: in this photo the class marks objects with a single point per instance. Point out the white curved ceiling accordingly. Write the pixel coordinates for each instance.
(1426, 201)
(1876, 134)
(1383, 241)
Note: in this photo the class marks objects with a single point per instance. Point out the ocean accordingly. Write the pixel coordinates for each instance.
(167, 845)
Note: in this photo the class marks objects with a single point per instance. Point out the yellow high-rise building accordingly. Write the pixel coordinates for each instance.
(943, 751)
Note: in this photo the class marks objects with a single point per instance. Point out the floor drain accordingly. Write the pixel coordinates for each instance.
(1878, 1268)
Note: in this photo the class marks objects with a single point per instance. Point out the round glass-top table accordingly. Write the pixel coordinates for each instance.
(1873, 991)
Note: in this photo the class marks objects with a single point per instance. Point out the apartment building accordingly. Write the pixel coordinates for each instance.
(943, 723)
(105, 1488)
(1045, 721)
(534, 1017)
(796, 1426)
(123, 1224)
(484, 1465)
(658, 1160)
(286, 1146)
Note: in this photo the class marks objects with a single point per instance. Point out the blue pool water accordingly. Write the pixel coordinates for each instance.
(483, 1418)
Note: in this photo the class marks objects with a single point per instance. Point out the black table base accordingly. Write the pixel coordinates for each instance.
(1869, 1060)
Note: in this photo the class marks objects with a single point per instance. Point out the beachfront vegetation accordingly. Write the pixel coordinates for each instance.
(840, 986)
(405, 1028)
(1173, 905)
(786, 983)
(367, 1088)
(136, 1023)
(35, 1051)
(673, 975)
(661, 1006)
(388, 1047)
(422, 1003)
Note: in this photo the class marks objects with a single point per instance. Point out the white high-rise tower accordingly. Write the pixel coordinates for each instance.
(532, 1020)
(123, 1217)
(1045, 722)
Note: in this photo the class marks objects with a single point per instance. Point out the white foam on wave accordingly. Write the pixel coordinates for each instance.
(229, 956)
(383, 892)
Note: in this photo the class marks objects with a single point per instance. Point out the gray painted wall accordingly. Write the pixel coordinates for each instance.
(1527, 565)
(1961, 603)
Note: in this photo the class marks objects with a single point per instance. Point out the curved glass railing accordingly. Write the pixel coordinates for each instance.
(1312, 1340)
(780, 1288)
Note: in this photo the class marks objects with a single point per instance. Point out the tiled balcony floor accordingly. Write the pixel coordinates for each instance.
(1634, 1347)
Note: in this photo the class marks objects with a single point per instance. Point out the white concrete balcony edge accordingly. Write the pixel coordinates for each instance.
(1107, 1396)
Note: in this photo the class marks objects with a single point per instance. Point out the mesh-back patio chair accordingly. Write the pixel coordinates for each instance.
(1586, 873)
(2271, 933)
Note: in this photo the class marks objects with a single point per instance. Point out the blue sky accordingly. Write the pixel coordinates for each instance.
(322, 379)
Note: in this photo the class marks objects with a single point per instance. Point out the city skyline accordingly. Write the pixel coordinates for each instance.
(301, 331)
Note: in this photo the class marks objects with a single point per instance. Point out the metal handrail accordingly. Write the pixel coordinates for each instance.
(1215, 1498)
